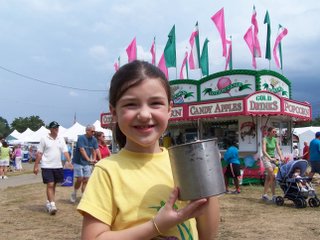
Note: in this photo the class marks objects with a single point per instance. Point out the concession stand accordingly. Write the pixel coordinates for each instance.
(236, 105)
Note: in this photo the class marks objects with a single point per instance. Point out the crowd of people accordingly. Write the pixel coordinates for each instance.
(54, 155)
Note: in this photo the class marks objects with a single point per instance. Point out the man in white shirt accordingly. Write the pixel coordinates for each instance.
(49, 153)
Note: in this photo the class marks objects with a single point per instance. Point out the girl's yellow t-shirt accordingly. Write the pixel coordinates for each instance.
(128, 188)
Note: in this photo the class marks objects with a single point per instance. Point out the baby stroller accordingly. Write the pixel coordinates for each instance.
(291, 188)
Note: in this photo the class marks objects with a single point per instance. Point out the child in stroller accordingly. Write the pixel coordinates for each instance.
(292, 185)
(301, 181)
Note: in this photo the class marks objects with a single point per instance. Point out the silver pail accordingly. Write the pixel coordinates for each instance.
(197, 169)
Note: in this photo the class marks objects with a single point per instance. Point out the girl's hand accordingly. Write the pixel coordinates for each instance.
(168, 217)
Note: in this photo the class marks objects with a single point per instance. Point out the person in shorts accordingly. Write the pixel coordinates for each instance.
(314, 158)
(85, 155)
(4, 159)
(49, 153)
(231, 157)
(269, 146)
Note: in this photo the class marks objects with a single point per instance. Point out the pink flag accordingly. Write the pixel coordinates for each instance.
(116, 66)
(229, 55)
(195, 51)
(183, 66)
(248, 37)
(218, 20)
(153, 52)
(256, 44)
(162, 65)
(132, 51)
(281, 35)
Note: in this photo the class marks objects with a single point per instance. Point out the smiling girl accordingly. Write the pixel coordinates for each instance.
(132, 195)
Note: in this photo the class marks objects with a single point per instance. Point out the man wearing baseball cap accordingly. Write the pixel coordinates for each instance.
(314, 150)
(49, 153)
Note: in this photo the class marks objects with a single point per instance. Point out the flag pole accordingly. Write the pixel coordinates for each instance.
(155, 51)
(187, 71)
(176, 72)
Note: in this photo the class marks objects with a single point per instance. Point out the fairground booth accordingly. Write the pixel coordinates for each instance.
(236, 105)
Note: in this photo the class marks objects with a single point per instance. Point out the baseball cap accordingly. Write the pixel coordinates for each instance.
(317, 134)
(54, 124)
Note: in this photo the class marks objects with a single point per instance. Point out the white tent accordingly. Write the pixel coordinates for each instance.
(62, 130)
(15, 134)
(26, 136)
(71, 133)
(37, 135)
(74, 131)
(305, 134)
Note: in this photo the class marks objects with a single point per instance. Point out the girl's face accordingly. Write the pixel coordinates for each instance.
(142, 114)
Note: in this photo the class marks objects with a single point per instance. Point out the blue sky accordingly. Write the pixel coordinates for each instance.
(56, 57)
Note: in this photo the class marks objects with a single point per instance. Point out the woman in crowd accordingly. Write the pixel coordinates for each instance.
(4, 160)
(103, 147)
(270, 144)
(18, 157)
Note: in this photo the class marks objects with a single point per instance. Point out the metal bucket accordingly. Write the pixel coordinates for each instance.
(197, 169)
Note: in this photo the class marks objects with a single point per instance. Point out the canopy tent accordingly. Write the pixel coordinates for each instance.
(36, 136)
(10, 139)
(74, 131)
(25, 136)
(71, 134)
(15, 134)
(305, 134)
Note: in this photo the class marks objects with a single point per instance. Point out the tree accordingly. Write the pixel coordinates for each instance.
(315, 122)
(4, 128)
(32, 122)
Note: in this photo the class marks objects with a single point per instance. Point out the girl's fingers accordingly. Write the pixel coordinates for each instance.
(173, 197)
(193, 209)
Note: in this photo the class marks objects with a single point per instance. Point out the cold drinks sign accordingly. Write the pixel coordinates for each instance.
(263, 102)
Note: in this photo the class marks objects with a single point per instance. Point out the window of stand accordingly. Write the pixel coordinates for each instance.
(283, 133)
(223, 131)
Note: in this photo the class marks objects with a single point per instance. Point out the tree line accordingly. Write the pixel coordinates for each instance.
(314, 123)
(20, 124)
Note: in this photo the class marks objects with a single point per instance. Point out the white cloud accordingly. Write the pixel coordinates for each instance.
(73, 94)
(98, 52)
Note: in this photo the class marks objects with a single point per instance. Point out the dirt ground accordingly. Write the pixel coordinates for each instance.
(243, 216)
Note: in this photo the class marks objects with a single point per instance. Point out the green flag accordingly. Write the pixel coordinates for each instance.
(280, 49)
(204, 60)
(268, 46)
(170, 49)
